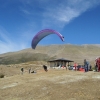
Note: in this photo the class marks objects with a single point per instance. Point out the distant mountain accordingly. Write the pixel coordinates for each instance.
(76, 53)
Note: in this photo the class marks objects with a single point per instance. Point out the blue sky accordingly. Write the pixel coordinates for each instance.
(77, 20)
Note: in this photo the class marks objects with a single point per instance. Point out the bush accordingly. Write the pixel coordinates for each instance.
(2, 75)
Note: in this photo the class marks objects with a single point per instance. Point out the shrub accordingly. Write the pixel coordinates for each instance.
(2, 75)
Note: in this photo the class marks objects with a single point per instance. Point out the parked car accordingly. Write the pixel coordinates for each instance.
(70, 67)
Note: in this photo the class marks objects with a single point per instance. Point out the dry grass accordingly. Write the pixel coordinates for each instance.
(76, 53)
(56, 84)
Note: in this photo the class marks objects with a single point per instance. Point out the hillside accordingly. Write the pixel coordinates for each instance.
(44, 53)
(56, 84)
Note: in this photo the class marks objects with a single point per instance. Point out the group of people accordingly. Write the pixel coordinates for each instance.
(29, 71)
(86, 66)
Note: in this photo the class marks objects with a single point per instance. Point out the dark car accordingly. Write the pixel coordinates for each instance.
(70, 67)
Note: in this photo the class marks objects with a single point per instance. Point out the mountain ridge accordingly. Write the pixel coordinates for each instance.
(76, 53)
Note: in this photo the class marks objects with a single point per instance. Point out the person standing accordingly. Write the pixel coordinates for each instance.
(45, 68)
(85, 65)
(22, 70)
(98, 64)
(29, 70)
(75, 66)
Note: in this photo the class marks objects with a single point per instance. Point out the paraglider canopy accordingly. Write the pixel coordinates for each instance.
(43, 33)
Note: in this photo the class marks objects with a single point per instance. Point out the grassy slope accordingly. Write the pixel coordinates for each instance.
(44, 53)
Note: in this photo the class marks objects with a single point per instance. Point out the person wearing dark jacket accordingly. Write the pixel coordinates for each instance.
(85, 65)
(22, 70)
(45, 68)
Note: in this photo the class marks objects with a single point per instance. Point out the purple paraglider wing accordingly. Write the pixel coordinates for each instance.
(42, 34)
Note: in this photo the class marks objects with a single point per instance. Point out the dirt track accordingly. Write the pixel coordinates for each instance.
(56, 84)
